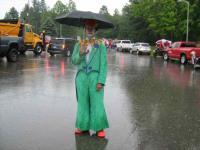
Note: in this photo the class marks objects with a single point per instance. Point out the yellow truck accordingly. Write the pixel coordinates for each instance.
(16, 28)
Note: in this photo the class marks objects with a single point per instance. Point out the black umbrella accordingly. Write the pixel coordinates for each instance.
(77, 18)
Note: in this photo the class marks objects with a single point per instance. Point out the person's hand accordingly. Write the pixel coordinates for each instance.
(82, 49)
(99, 86)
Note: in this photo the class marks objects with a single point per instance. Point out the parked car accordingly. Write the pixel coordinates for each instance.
(61, 46)
(114, 42)
(184, 52)
(140, 48)
(124, 45)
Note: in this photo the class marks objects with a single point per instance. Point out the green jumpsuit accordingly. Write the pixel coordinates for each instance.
(90, 111)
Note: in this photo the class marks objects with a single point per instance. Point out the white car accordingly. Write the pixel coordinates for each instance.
(141, 48)
(124, 45)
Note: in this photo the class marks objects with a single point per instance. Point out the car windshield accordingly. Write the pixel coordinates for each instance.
(176, 45)
(57, 41)
(126, 42)
(145, 45)
(116, 42)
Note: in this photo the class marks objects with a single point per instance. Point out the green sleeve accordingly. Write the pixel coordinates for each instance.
(76, 58)
(103, 65)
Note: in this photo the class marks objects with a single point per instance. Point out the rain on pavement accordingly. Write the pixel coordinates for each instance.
(151, 105)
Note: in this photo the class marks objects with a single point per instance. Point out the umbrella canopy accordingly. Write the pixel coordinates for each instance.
(77, 18)
(161, 41)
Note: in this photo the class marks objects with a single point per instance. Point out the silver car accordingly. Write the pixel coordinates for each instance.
(141, 48)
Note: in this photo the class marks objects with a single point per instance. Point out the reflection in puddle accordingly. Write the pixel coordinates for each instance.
(46, 64)
(62, 68)
(179, 75)
(121, 63)
(57, 65)
(90, 143)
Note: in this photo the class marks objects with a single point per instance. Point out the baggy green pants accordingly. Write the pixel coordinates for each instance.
(90, 111)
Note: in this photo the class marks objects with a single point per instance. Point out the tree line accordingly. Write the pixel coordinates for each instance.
(139, 21)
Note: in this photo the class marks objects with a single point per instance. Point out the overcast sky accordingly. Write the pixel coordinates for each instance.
(85, 5)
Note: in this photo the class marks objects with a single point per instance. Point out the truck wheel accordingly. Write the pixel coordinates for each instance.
(165, 56)
(12, 55)
(37, 49)
(183, 59)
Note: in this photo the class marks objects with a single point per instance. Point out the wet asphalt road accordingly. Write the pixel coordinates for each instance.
(151, 105)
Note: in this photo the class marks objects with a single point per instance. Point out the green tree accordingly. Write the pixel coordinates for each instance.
(124, 24)
(59, 9)
(152, 19)
(12, 14)
(24, 15)
(35, 15)
(43, 6)
(116, 12)
(49, 27)
(104, 10)
(71, 6)
(115, 19)
(162, 22)
(194, 21)
(105, 33)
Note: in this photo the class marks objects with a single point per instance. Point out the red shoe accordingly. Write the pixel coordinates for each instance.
(101, 134)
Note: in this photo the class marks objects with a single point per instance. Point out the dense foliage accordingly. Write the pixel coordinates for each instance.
(140, 20)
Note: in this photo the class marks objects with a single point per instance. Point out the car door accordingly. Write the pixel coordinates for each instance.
(28, 35)
(135, 46)
(173, 51)
(177, 51)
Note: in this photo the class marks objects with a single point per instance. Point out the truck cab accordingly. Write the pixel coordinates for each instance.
(183, 51)
(16, 28)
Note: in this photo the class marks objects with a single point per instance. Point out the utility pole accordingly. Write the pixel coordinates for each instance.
(28, 13)
(188, 11)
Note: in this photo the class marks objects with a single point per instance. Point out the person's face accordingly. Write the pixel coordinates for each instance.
(89, 30)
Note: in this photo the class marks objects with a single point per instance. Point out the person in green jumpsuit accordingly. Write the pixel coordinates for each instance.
(91, 61)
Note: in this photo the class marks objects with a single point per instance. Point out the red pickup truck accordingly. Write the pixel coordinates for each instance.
(183, 51)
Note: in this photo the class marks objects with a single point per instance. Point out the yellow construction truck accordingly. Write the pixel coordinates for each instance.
(15, 28)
